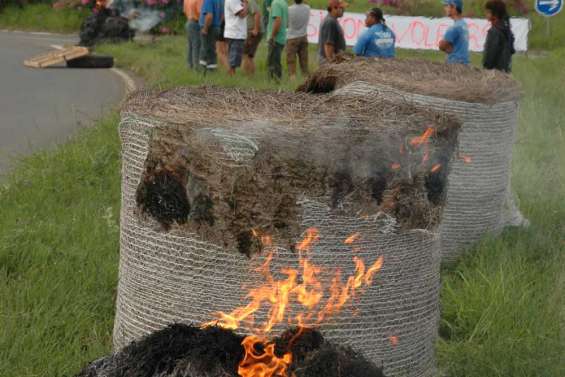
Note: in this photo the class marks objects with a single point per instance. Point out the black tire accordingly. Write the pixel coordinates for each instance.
(91, 61)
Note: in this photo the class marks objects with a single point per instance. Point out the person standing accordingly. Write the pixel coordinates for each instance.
(499, 45)
(276, 34)
(297, 38)
(455, 42)
(235, 33)
(254, 35)
(211, 16)
(265, 11)
(192, 12)
(331, 40)
(378, 40)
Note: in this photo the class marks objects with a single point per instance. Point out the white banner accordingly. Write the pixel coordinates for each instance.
(418, 32)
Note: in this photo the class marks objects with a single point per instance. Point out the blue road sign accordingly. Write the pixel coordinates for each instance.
(549, 7)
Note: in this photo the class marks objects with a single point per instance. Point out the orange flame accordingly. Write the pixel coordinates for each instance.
(352, 238)
(311, 237)
(466, 159)
(376, 267)
(262, 364)
(422, 139)
(303, 286)
(426, 156)
(436, 167)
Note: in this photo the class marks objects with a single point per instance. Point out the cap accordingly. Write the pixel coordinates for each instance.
(456, 3)
(337, 4)
(377, 13)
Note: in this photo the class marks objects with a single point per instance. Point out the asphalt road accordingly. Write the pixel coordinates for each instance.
(42, 107)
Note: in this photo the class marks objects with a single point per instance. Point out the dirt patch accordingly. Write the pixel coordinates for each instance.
(245, 172)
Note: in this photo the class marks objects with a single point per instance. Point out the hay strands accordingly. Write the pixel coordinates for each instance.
(55, 57)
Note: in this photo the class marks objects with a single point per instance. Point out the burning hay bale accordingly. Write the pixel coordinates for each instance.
(479, 199)
(187, 351)
(252, 210)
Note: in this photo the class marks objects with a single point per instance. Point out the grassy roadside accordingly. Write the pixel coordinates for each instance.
(502, 308)
(41, 17)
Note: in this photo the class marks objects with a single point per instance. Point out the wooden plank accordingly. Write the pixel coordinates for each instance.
(55, 57)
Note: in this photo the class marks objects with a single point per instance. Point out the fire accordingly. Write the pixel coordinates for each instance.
(466, 159)
(436, 167)
(422, 139)
(352, 238)
(376, 267)
(263, 363)
(304, 286)
(426, 156)
(311, 237)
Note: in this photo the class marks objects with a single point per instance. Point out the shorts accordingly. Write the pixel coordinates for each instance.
(251, 44)
(235, 51)
(221, 35)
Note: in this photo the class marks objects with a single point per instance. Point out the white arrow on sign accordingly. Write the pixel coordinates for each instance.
(554, 3)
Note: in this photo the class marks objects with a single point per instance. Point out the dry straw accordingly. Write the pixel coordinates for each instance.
(479, 198)
(222, 143)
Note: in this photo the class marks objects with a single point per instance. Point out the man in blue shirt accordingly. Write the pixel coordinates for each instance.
(455, 42)
(378, 39)
(211, 16)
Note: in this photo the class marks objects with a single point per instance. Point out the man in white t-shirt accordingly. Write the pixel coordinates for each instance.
(235, 32)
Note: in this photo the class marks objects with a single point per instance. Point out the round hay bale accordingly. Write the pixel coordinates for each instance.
(479, 196)
(203, 169)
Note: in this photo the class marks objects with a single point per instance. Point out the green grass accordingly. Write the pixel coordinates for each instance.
(59, 255)
(503, 309)
(41, 17)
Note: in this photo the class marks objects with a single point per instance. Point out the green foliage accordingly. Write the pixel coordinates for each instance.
(503, 307)
(42, 17)
(163, 64)
(59, 256)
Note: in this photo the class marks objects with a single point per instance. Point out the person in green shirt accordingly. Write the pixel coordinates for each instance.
(276, 36)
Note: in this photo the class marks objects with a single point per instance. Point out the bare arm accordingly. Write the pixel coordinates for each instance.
(207, 23)
(445, 46)
(276, 27)
(243, 13)
(257, 29)
(329, 50)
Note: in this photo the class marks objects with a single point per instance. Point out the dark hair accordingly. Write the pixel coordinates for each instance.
(378, 14)
(498, 9)
(298, 1)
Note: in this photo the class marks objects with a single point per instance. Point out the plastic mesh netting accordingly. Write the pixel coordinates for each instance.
(216, 143)
(479, 196)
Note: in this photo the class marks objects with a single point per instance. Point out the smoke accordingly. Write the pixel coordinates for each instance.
(142, 19)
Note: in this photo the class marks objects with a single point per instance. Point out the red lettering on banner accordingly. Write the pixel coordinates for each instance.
(348, 32)
(485, 30)
(411, 32)
(314, 24)
(401, 35)
(441, 29)
(420, 38)
(474, 35)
